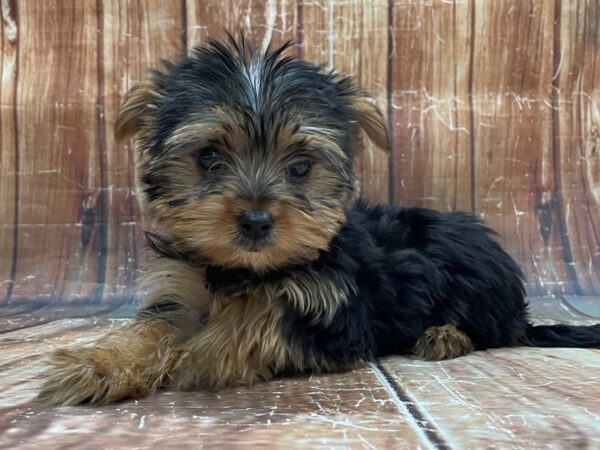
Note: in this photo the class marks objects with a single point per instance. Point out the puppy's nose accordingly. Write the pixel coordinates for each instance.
(255, 225)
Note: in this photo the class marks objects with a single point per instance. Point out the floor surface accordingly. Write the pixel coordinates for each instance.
(506, 398)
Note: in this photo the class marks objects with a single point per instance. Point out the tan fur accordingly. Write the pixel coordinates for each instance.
(135, 359)
(130, 362)
(241, 342)
(445, 342)
(176, 280)
(240, 345)
(208, 227)
(137, 109)
(234, 339)
(371, 120)
(218, 124)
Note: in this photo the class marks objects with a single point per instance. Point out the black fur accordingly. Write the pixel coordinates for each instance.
(408, 269)
(413, 268)
(158, 309)
(564, 336)
(217, 74)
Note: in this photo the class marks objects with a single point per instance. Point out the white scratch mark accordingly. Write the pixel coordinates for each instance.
(343, 423)
(365, 442)
(10, 27)
(517, 212)
(487, 195)
(271, 16)
(435, 33)
(331, 22)
(560, 63)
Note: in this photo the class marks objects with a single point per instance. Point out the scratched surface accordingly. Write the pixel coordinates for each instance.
(493, 106)
(508, 398)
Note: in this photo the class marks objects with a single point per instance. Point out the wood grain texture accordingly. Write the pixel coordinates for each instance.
(136, 35)
(9, 151)
(493, 108)
(576, 151)
(262, 22)
(430, 104)
(512, 137)
(60, 166)
(352, 37)
(507, 398)
(348, 410)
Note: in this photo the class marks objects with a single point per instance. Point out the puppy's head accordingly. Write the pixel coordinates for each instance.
(248, 158)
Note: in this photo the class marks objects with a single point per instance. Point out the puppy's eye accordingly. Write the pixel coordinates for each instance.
(208, 156)
(299, 169)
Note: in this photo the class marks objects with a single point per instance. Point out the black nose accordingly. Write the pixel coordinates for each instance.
(255, 225)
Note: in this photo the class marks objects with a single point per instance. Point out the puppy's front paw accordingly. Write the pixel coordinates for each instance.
(91, 375)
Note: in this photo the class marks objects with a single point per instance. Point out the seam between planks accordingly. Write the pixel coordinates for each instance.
(15, 252)
(102, 210)
(472, 109)
(184, 28)
(556, 163)
(389, 95)
(424, 427)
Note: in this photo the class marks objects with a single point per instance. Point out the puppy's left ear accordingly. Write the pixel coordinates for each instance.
(138, 110)
(371, 119)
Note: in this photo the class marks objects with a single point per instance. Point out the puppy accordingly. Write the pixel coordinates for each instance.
(247, 162)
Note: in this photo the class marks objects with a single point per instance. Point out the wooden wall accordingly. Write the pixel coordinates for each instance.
(494, 107)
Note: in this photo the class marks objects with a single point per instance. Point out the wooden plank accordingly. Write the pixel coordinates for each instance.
(24, 352)
(507, 398)
(262, 22)
(432, 161)
(576, 99)
(9, 152)
(514, 182)
(60, 228)
(348, 410)
(484, 118)
(18, 318)
(136, 35)
(352, 37)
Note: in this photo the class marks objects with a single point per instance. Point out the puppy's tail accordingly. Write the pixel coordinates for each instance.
(563, 336)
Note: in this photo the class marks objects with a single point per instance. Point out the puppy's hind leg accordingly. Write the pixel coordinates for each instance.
(444, 342)
(135, 359)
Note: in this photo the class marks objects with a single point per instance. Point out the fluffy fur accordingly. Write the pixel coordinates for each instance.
(330, 284)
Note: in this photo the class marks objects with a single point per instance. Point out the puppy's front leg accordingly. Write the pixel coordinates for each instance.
(241, 344)
(135, 359)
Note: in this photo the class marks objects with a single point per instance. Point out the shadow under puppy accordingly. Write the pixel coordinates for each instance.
(249, 182)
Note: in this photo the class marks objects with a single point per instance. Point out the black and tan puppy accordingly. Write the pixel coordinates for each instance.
(249, 181)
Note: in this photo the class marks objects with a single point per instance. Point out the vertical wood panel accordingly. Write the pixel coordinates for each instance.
(9, 155)
(577, 138)
(136, 34)
(512, 119)
(352, 37)
(273, 21)
(60, 209)
(493, 107)
(430, 104)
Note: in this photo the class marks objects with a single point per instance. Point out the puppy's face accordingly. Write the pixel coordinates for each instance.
(248, 159)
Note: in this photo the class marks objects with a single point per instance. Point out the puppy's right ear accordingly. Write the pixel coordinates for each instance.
(138, 109)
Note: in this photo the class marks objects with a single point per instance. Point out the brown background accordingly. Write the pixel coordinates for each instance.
(494, 107)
